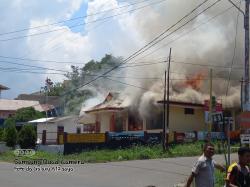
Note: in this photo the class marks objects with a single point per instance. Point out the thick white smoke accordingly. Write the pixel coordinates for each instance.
(200, 42)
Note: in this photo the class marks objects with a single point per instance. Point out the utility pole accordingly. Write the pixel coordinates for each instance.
(246, 25)
(241, 94)
(246, 104)
(169, 62)
(228, 143)
(166, 92)
(164, 113)
(210, 104)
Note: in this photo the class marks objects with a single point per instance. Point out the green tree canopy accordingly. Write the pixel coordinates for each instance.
(27, 114)
(10, 132)
(27, 137)
(74, 95)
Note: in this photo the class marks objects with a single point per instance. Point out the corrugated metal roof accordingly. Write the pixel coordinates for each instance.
(63, 118)
(13, 105)
(53, 119)
(2, 87)
(41, 120)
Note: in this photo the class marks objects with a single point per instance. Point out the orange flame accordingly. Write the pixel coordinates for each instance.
(195, 81)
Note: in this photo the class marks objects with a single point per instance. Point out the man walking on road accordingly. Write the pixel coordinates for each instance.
(203, 170)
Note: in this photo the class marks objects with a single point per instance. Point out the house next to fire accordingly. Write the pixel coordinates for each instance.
(112, 116)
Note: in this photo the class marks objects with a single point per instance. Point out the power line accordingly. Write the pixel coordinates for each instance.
(128, 66)
(234, 50)
(133, 55)
(9, 62)
(156, 42)
(188, 32)
(38, 60)
(55, 30)
(164, 32)
(73, 19)
(127, 84)
(136, 53)
(129, 58)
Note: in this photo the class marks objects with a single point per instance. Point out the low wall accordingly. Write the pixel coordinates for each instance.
(51, 148)
(3, 147)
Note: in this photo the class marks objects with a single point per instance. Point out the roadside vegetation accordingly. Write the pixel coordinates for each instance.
(132, 153)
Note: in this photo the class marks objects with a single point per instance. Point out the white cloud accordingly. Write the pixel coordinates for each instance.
(120, 35)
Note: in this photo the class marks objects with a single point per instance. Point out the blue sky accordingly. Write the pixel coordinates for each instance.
(120, 36)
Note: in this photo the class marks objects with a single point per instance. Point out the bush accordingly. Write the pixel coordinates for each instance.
(10, 132)
(27, 137)
(1, 134)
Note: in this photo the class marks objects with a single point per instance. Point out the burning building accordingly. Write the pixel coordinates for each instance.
(114, 116)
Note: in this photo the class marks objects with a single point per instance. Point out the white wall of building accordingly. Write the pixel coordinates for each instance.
(70, 125)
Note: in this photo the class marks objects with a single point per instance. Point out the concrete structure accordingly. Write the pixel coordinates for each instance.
(48, 129)
(112, 115)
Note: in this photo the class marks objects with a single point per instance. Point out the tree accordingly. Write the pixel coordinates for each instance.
(74, 95)
(27, 137)
(56, 90)
(10, 132)
(27, 114)
(1, 134)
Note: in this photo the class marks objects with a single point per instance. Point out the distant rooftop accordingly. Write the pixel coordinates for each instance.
(2, 87)
(13, 105)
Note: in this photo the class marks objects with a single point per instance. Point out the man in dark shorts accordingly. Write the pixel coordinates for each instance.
(203, 170)
(238, 174)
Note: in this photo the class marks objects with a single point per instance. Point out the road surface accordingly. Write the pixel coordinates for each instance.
(139, 173)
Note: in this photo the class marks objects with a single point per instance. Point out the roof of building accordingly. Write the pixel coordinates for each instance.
(182, 103)
(53, 119)
(51, 100)
(111, 102)
(114, 102)
(2, 87)
(64, 118)
(41, 120)
(13, 105)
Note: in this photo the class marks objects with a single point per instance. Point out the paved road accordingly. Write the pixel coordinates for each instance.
(142, 173)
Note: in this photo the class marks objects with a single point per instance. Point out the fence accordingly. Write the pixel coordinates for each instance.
(141, 136)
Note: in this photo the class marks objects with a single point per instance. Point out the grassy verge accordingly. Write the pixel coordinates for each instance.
(107, 155)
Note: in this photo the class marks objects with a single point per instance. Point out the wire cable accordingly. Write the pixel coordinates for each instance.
(77, 25)
(73, 19)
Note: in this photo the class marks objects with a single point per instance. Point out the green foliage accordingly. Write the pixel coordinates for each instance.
(27, 114)
(9, 122)
(10, 133)
(219, 178)
(1, 134)
(74, 96)
(56, 90)
(27, 137)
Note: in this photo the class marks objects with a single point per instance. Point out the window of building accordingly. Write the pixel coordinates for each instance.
(189, 111)
(78, 130)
